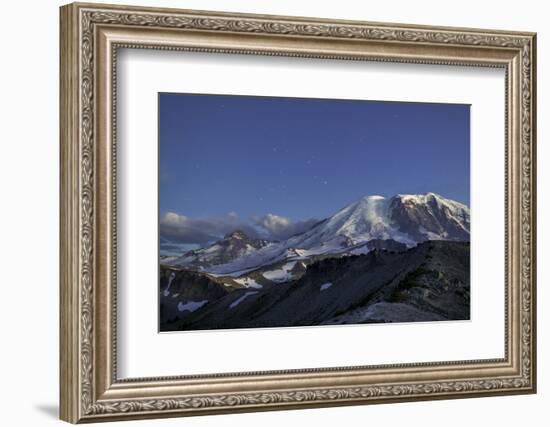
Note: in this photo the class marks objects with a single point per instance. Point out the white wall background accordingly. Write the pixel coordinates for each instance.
(29, 170)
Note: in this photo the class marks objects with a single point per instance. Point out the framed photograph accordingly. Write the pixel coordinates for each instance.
(255, 216)
(266, 212)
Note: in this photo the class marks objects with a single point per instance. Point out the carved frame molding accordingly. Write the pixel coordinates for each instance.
(90, 36)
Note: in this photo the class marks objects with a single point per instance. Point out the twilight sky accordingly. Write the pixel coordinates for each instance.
(271, 165)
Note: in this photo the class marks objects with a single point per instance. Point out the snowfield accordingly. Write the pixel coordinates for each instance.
(191, 306)
(325, 286)
(170, 280)
(281, 275)
(248, 282)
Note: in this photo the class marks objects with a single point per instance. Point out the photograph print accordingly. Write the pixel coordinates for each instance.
(279, 212)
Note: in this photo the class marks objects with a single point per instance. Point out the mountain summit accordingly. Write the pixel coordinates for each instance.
(406, 218)
(233, 246)
(236, 235)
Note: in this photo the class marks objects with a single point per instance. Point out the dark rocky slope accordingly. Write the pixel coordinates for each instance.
(428, 282)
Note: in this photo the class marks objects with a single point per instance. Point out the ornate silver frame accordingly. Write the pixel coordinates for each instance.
(90, 36)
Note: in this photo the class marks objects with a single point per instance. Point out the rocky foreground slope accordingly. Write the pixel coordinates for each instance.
(428, 282)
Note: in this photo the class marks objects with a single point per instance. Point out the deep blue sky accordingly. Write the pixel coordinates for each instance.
(304, 158)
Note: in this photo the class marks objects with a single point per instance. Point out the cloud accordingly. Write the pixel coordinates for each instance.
(176, 249)
(182, 229)
(280, 228)
(178, 229)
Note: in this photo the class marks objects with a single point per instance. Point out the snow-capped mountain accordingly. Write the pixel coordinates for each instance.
(408, 219)
(233, 246)
(405, 219)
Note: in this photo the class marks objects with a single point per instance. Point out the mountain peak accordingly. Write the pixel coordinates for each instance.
(234, 245)
(406, 218)
(419, 197)
(374, 197)
(237, 234)
(428, 198)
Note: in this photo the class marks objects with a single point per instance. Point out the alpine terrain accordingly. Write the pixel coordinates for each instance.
(399, 259)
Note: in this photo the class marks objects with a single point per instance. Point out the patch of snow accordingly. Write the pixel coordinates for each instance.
(276, 275)
(248, 282)
(170, 279)
(242, 298)
(237, 273)
(359, 250)
(280, 275)
(191, 306)
(211, 249)
(431, 235)
(325, 286)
